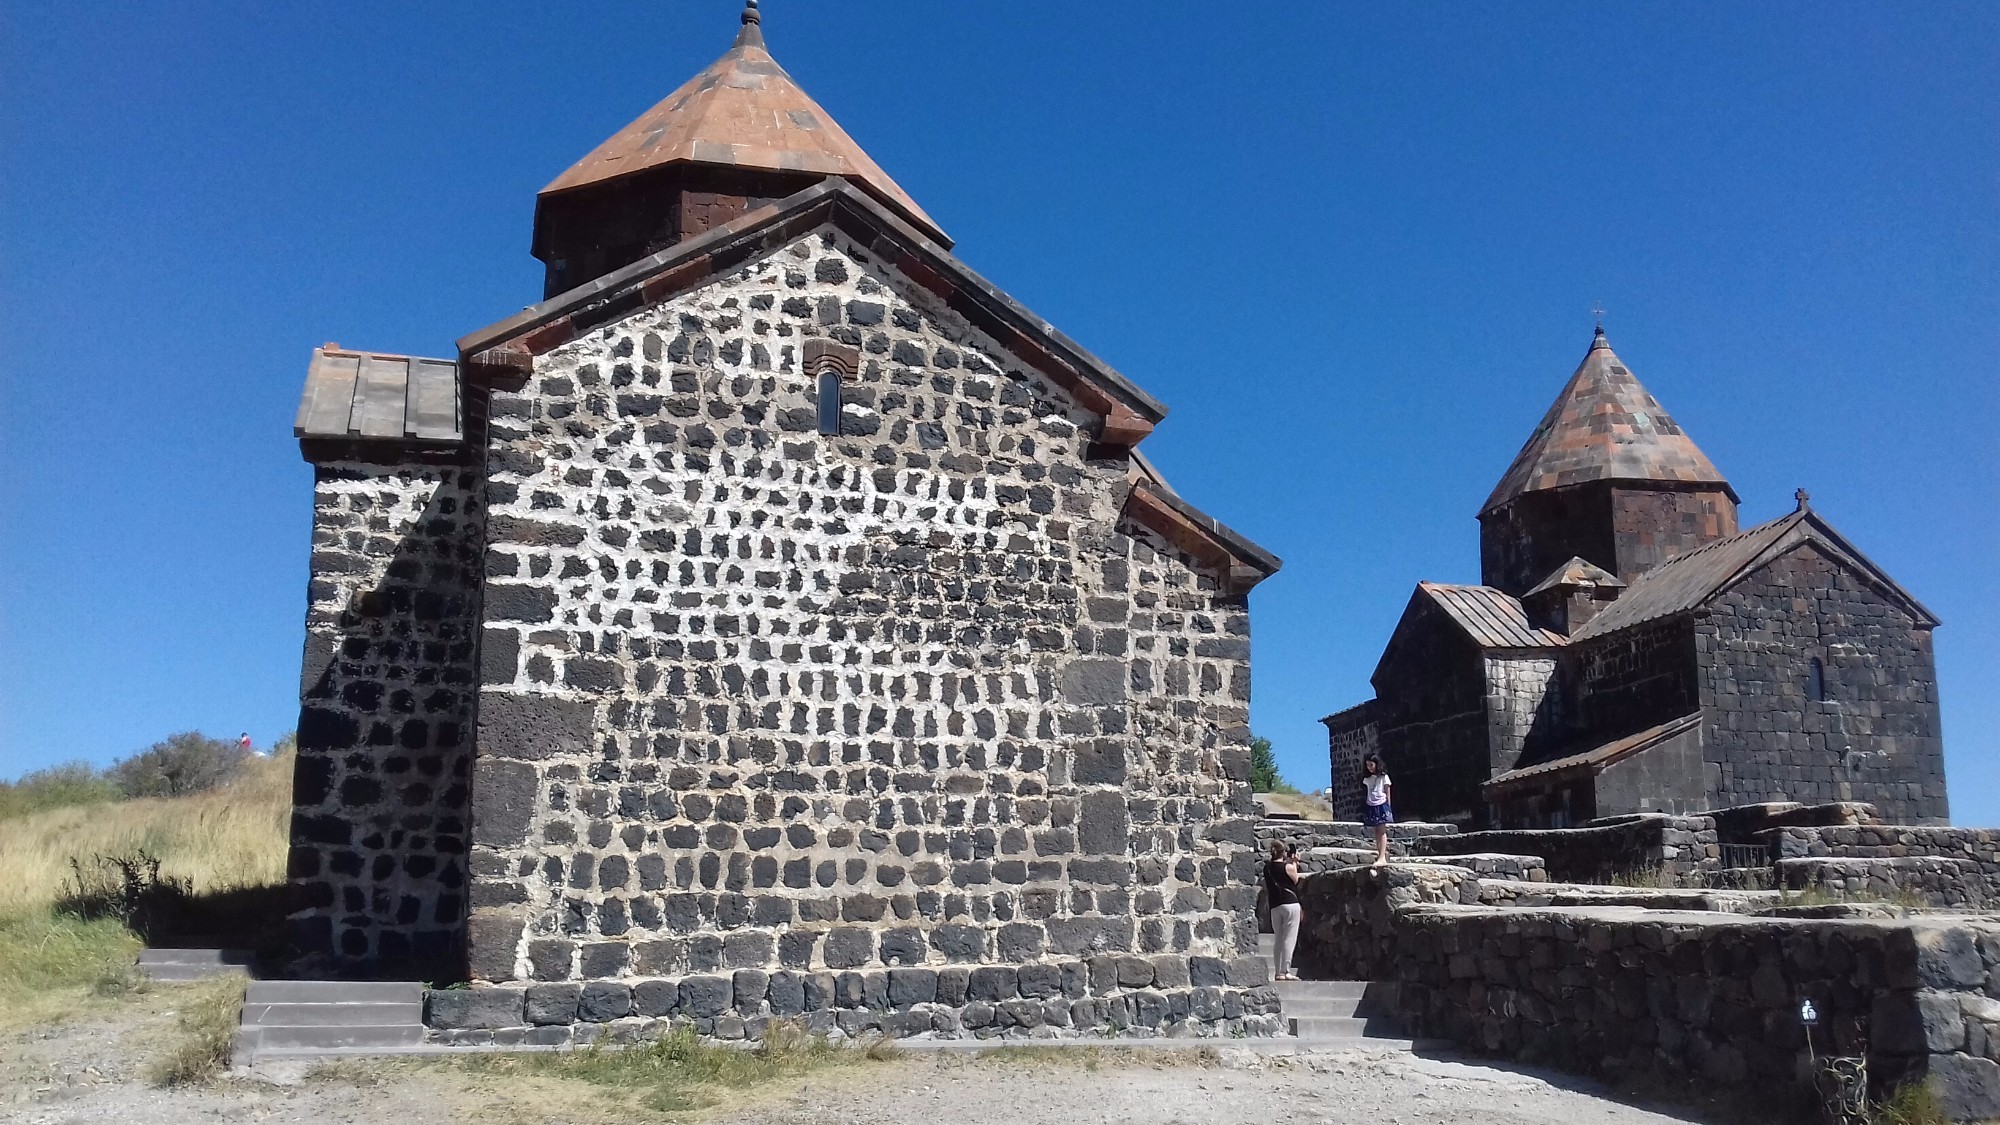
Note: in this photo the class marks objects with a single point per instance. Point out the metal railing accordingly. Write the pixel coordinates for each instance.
(1745, 855)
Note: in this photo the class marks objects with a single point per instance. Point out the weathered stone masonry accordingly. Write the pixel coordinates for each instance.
(758, 700)
(379, 832)
(814, 640)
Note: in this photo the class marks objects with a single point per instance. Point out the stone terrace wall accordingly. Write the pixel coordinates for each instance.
(1888, 841)
(1604, 850)
(1711, 996)
(1940, 867)
(379, 833)
(910, 696)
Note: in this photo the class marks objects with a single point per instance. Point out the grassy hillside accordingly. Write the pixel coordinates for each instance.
(219, 840)
(224, 840)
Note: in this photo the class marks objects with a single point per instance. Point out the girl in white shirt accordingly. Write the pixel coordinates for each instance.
(1376, 812)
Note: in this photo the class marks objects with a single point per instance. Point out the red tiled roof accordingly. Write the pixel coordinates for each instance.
(744, 111)
(1604, 426)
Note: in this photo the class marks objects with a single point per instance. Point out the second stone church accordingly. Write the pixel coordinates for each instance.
(1629, 649)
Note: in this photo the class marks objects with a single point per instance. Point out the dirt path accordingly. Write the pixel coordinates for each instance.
(92, 1073)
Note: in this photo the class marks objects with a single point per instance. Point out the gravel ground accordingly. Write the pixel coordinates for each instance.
(91, 1073)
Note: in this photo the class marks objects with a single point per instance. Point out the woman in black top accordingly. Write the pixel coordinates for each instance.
(1281, 891)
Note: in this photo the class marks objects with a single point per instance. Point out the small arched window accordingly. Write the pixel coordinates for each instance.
(829, 403)
(1816, 680)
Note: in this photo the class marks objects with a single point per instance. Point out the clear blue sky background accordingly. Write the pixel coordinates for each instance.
(1353, 246)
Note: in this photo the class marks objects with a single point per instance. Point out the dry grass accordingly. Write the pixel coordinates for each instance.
(228, 838)
(209, 1016)
(1913, 1103)
(54, 967)
(675, 1073)
(1307, 807)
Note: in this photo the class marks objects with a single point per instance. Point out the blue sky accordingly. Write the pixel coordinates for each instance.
(1353, 246)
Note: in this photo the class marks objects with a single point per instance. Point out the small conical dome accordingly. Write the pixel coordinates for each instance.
(1605, 426)
(743, 112)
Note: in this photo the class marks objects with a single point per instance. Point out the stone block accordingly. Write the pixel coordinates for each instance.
(1103, 824)
(993, 982)
(657, 999)
(459, 1009)
(493, 937)
(786, 994)
(848, 947)
(552, 1003)
(1968, 1088)
(750, 987)
(705, 996)
(912, 986)
(529, 727)
(604, 1001)
(1094, 683)
(503, 802)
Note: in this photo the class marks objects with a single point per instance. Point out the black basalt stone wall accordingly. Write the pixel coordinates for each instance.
(1430, 717)
(1628, 681)
(1872, 733)
(379, 830)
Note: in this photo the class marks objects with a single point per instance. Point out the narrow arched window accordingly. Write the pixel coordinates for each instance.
(829, 402)
(1816, 681)
(830, 364)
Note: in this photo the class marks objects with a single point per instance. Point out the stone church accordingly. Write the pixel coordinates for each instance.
(1630, 650)
(776, 598)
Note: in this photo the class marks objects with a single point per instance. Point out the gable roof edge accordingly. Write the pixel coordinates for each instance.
(1129, 412)
(1242, 562)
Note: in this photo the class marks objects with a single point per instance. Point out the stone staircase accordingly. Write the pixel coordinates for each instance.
(175, 965)
(1331, 1013)
(310, 1018)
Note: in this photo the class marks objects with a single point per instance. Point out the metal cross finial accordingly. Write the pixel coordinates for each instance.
(1597, 313)
(1804, 498)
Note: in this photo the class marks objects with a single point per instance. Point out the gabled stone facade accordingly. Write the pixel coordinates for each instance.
(782, 608)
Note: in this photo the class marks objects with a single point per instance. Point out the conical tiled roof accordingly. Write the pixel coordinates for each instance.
(1604, 426)
(744, 111)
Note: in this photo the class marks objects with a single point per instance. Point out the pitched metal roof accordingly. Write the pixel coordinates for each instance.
(1491, 618)
(367, 395)
(744, 111)
(1684, 583)
(1597, 757)
(1604, 426)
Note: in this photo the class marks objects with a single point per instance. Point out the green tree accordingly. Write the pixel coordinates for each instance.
(1264, 776)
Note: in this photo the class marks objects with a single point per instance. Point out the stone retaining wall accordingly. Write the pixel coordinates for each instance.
(1713, 996)
(1107, 995)
(1888, 841)
(1920, 881)
(1677, 845)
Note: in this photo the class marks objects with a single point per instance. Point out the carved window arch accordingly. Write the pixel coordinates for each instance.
(830, 365)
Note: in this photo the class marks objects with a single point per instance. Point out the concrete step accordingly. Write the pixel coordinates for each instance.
(169, 966)
(196, 957)
(1304, 989)
(322, 1038)
(1337, 1006)
(180, 974)
(1327, 1027)
(333, 1015)
(334, 992)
